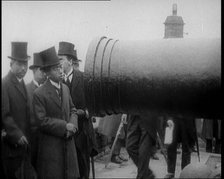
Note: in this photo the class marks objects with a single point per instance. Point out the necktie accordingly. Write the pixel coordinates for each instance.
(67, 82)
(58, 90)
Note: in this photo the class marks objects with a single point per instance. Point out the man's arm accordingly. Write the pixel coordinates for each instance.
(14, 133)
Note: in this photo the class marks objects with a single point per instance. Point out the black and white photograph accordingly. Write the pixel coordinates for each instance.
(111, 89)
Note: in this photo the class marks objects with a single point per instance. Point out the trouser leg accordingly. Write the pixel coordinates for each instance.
(145, 147)
(132, 142)
(209, 145)
(186, 155)
(138, 146)
(218, 146)
(171, 157)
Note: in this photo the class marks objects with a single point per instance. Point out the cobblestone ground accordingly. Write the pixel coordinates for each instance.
(129, 170)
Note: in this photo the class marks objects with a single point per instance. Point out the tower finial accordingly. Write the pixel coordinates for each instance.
(174, 9)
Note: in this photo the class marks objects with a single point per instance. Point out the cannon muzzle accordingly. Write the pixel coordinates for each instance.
(166, 76)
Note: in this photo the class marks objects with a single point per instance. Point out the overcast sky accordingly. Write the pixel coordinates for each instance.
(45, 24)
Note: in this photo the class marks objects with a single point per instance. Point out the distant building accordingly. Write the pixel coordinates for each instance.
(174, 25)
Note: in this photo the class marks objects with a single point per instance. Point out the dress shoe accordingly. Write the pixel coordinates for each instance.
(155, 157)
(116, 159)
(152, 176)
(122, 158)
(169, 176)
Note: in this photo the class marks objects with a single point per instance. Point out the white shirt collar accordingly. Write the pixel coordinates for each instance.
(57, 85)
(19, 79)
(69, 75)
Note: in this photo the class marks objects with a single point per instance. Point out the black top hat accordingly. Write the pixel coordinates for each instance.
(66, 48)
(49, 57)
(19, 51)
(37, 61)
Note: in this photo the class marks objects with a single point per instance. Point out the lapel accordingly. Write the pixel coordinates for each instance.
(52, 93)
(75, 79)
(18, 86)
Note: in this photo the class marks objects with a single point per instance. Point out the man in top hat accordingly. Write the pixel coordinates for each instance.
(38, 79)
(85, 138)
(15, 110)
(56, 118)
(75, 61)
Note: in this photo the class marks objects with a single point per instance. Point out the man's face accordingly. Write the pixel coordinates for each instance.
(66, 63)
(39, 75)
(19, 68)
(56, 73)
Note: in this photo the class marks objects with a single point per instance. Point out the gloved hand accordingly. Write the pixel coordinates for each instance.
(23, 141)
(71, 128)
(80, 112)
(124, 118)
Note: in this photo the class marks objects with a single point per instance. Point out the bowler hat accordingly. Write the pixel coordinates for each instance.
(49, 57)
(66, 48)
(37, 61)
(19, 51)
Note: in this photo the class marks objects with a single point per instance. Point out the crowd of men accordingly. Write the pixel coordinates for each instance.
(46, 120)
(47, 123)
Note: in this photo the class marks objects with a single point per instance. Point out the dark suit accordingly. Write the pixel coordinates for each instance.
(140, 142)
(15, 120)
(85, 138)
(34, 136)
(185, 133)
(57, 157)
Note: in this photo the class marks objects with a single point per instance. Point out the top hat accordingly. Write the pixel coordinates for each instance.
(66, 48)
(49, 57)
(19, 51)
(37, 61)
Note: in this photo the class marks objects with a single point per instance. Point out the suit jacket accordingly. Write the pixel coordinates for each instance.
(15, 114)
(57, 156)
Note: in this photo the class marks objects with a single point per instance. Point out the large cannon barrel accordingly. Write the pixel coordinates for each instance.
(168, 76)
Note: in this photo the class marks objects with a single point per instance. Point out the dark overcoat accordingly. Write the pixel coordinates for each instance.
(149, 121)
(34, 132)
(85, 125)
(15, 115)
(57, 157)
(30, 90)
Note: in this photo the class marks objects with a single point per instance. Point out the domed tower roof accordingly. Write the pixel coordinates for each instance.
(174, 20)
(174, 25)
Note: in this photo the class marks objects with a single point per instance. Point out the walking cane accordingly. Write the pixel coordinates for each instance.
(115, 140)
(93, 168)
